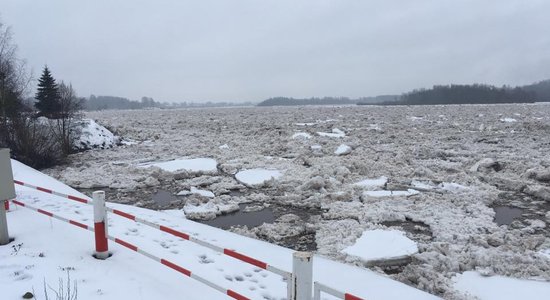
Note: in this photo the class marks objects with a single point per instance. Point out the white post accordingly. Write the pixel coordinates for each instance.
(302, 275)
(7, 192)
(100, 225)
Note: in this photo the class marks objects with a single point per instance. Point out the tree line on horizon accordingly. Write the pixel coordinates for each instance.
(438, 94)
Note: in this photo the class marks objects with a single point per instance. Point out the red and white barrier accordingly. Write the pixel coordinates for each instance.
(51, 215)
(178, 268)
(299, 282)
(186, 236)
(45, 190)
(132, 247)
(318, 288)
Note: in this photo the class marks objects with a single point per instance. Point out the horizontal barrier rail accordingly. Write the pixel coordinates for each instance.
(186, 236)
(318, 288)
(45, 190)
(132, 247)
(49, 214)
(178, 268)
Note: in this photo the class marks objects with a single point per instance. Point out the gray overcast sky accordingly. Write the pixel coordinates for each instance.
(253, 49)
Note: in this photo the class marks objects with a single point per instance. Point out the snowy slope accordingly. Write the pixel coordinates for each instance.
(49, 247)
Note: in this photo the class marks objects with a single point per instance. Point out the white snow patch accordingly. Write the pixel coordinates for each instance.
(195, 190)
(336, 133)
(303, 135)
(193, 165)
(305, 124)
(380, 194)
(373, 183)
(343, 150)
(93, 136)
(500, 287)
(545, 253)
(257, 176)
(382, 245)
(316, 147)
(508, 120)
(224, 146)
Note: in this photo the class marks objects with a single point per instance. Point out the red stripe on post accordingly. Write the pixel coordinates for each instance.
(126, 244)
(175, 267)
(236, 295)
(18, 203)
(18, 182)
(123, 214)
(43, 190)
(100, 237)
(78, 224)
(245, 258)
(49, 214)
(351, 297)
(174, 232)
(78, 199)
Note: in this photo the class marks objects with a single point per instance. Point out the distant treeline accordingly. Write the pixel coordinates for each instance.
(467, 94)
(284, 101)
(113, 102)
(474, 94)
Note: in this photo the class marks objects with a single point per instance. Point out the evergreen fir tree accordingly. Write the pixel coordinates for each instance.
(47, 96)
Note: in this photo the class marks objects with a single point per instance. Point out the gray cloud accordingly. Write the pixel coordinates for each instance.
(250, 50)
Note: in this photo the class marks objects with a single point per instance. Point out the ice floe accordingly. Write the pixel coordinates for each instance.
(381, 244)
(192, 165)
(253, 177)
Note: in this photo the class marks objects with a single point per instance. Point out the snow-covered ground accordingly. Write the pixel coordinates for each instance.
(461, 162)
(45, 249)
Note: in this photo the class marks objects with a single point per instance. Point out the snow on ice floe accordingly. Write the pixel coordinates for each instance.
(302, 135)
(192, 164)
(381, 244)
(197, 191)
(343, 150)
(336, 133)
(372, 183)
(443, 186)
(94, 136)
(381, 194)
(508, 120)
(257, 176)
(500, 287)
(224, 146)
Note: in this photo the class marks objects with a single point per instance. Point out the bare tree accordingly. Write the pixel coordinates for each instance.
(14, 81)
(69, 113)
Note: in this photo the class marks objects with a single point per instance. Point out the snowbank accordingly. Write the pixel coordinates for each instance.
(382, 245)
(192, 165)
(93, 136)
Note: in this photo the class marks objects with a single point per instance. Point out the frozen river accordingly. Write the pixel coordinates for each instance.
(322, 176)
